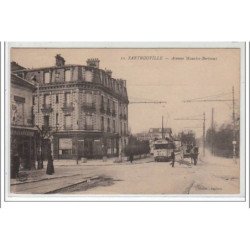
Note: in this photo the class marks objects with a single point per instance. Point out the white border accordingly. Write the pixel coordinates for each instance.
(240, 197)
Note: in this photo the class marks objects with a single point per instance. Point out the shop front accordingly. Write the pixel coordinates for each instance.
(84, 145)
(23, 149)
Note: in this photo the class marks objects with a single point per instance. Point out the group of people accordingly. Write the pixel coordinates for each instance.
(193, 152)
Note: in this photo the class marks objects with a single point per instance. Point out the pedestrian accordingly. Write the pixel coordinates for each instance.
(195, 154)
(131, 157)
(16, 165)
(173, 158)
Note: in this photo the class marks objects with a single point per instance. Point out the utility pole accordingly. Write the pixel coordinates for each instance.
(204, 127)
(204, 132)
(162, 132)
(212, 132)
(205, 99)
(234, 133)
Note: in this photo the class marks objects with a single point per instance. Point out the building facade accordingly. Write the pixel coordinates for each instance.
(159, 133)
(83, 108)
(23, 131)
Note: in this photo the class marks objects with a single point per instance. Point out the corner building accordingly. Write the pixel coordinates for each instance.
(83, 107)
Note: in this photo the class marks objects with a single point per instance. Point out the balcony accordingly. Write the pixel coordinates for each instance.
(68, 107)
(68, 127)
(88, 127)
(108, 111)
(102, 110)
(88, 107)
(46, 128)
(46, 108)
(123, 116)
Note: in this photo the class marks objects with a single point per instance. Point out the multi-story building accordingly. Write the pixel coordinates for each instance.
(23, 131)
(159, 133)
(84, 109)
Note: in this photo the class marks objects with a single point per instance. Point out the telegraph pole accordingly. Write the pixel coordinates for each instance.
(234, 134)
(204, 127)
(212, 131)
(204, 133)
(205, 99)
(162, 128)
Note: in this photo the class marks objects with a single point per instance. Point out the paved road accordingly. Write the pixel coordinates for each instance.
(213, 176)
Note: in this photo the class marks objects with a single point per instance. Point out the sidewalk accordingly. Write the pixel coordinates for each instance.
(69, 168)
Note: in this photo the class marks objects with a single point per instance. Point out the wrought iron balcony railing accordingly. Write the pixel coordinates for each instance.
(68, 127)
(108, 111)
(88, 127)
(68, 106)
(89, 107)
(102, 109)
(46, 128)
(46, 108)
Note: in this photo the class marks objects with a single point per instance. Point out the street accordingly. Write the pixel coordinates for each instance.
(212, 175)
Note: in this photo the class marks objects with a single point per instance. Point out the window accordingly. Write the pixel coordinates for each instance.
(67, 75)
(46, 77)
(114, 126)
(56, 118)
(88, 76)
(89, 120)
(67, 98)
(108, 125)
(57, 76)
(46, 100)
(57, 99)
(102, 123)
(65, 146)
(46, 121)
(18, 110)
(108, 105)
(68, 123)
(89, 98)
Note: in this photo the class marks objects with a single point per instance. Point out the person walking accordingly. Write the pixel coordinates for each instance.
(173, 158)
(131, 157)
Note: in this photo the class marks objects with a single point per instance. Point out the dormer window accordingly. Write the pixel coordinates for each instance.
(67, 75)
(46, 77)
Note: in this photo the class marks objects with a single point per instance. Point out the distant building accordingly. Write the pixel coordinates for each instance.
(143, 136)
(157, 133)
(154, 134)
(23, 132)
(82, 106)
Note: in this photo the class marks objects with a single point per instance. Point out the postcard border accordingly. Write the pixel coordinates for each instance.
(128, 198)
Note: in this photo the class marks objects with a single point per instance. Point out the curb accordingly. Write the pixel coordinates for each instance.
(44, 179)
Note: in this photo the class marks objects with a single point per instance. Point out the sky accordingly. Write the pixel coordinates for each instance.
(169, 75)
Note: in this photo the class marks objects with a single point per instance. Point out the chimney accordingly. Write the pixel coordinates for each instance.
(16, 66)
(93, 62)
(59, 60)
(108, 72)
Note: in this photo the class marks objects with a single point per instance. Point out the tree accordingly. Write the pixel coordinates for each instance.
(222, 140)
(136, 147)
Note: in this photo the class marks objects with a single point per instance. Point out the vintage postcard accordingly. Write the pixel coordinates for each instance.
(125, 121)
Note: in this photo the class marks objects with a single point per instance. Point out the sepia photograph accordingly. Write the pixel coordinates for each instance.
(125, 121)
